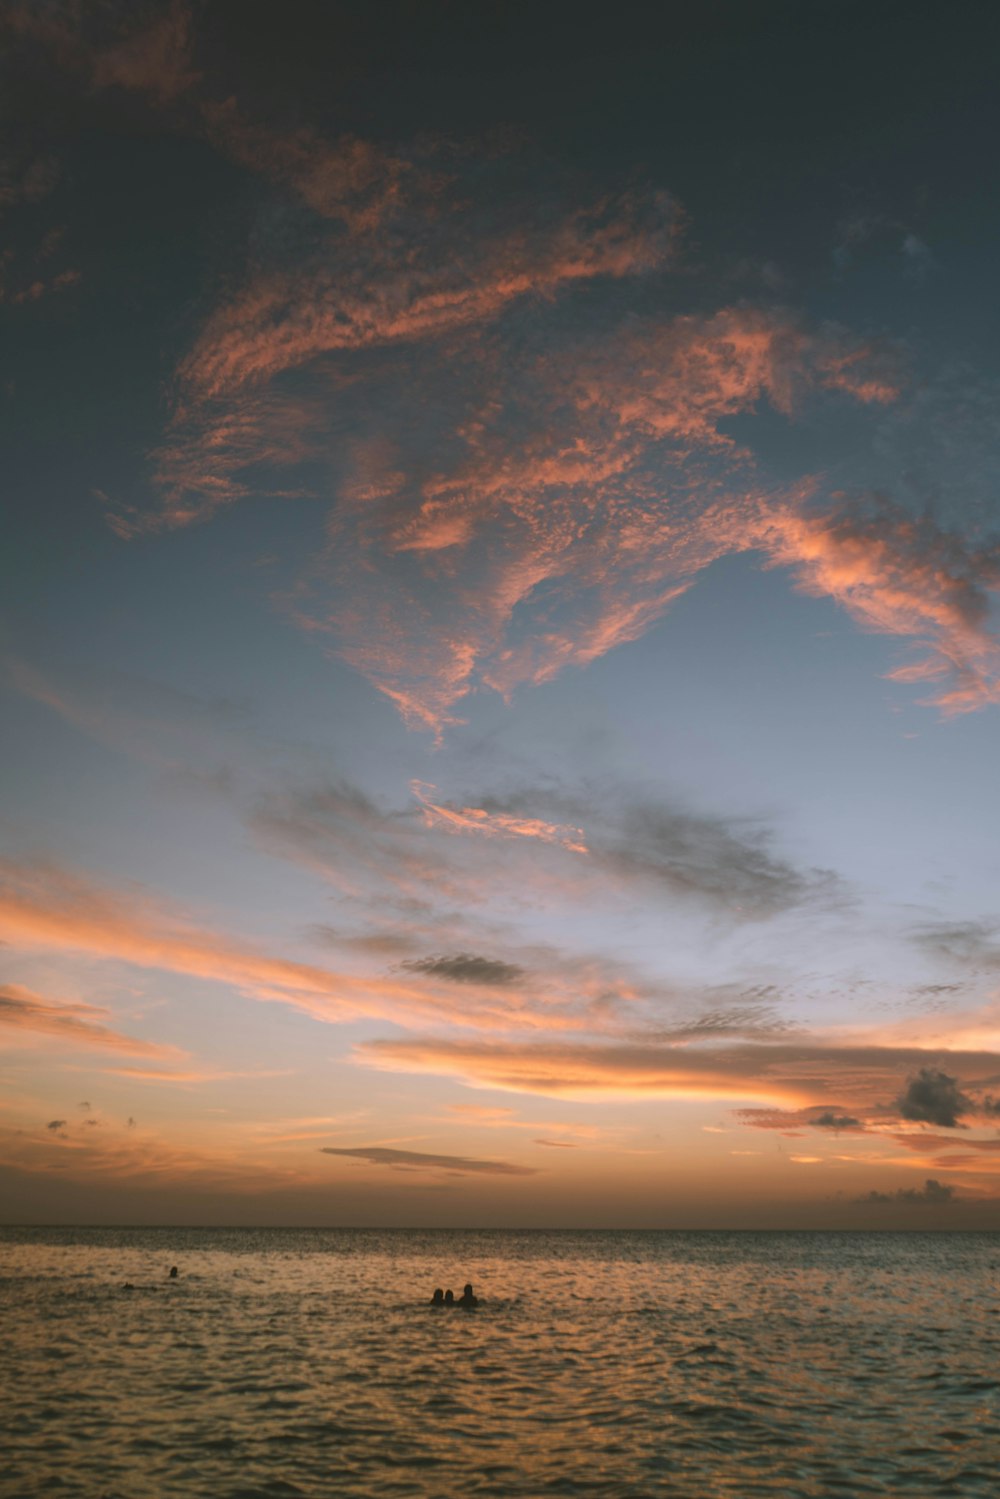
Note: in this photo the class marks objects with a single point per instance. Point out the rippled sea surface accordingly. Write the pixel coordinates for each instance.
(301, 1362)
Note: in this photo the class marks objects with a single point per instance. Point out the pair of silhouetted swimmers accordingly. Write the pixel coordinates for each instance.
(447, 1298)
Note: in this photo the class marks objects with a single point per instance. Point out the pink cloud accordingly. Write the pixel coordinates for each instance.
(495, 824)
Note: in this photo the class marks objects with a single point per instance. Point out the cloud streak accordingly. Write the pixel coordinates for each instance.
(42, 907)
(799, 1075)
(495, 824)
(21, 1011)
(415, 1160)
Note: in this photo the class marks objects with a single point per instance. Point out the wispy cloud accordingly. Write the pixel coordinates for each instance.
(584, 495)
(42, 907)
(553, 472)
(186, 1075)
(495, 824)
(576, 845)
(904, 577)
(75, 1024)
(728, 864)
(801, 1074)
(972, 944)
(378, 1155)
(356, 295)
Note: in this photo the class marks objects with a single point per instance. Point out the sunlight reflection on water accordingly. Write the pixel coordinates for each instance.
(284, 1363)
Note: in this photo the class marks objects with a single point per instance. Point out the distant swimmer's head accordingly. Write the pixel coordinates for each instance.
(449, 1298)
(469, 1297)
(467, 1290)
(173, 1272)
(437, 1299)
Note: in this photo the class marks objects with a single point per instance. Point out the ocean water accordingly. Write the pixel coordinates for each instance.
(299, 1362)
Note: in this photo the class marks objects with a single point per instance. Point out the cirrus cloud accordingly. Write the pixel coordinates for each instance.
(415, 1160)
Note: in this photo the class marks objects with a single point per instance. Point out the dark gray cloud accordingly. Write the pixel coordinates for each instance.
(932, 1097)
(794, 1121)
(932, 1194)
(57, 1126)
(335, 826)
(972, 943)
(728, 864)
(380, 1155)
(467, 968)
(830, 1120)
(558, 1144)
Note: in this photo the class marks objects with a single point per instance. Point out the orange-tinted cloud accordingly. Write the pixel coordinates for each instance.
(370, 295)
(585, 496)
(49, 909)
(786, 1075)
(77, 1024)
(585, 480)
(897, 575)
(187, 1075)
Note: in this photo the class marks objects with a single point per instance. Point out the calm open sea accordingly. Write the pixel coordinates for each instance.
(302, 1362)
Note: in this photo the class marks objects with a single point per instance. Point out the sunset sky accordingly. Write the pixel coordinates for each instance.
(498, 640)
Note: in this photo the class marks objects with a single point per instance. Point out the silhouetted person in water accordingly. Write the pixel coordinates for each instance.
(467, 1298)
(173, 1273)
(449, 1298)
(437, 1299)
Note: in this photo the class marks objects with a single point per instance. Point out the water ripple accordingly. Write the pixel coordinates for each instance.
(698, 1365)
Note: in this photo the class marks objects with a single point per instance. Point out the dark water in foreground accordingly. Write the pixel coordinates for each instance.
(285, 1363)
